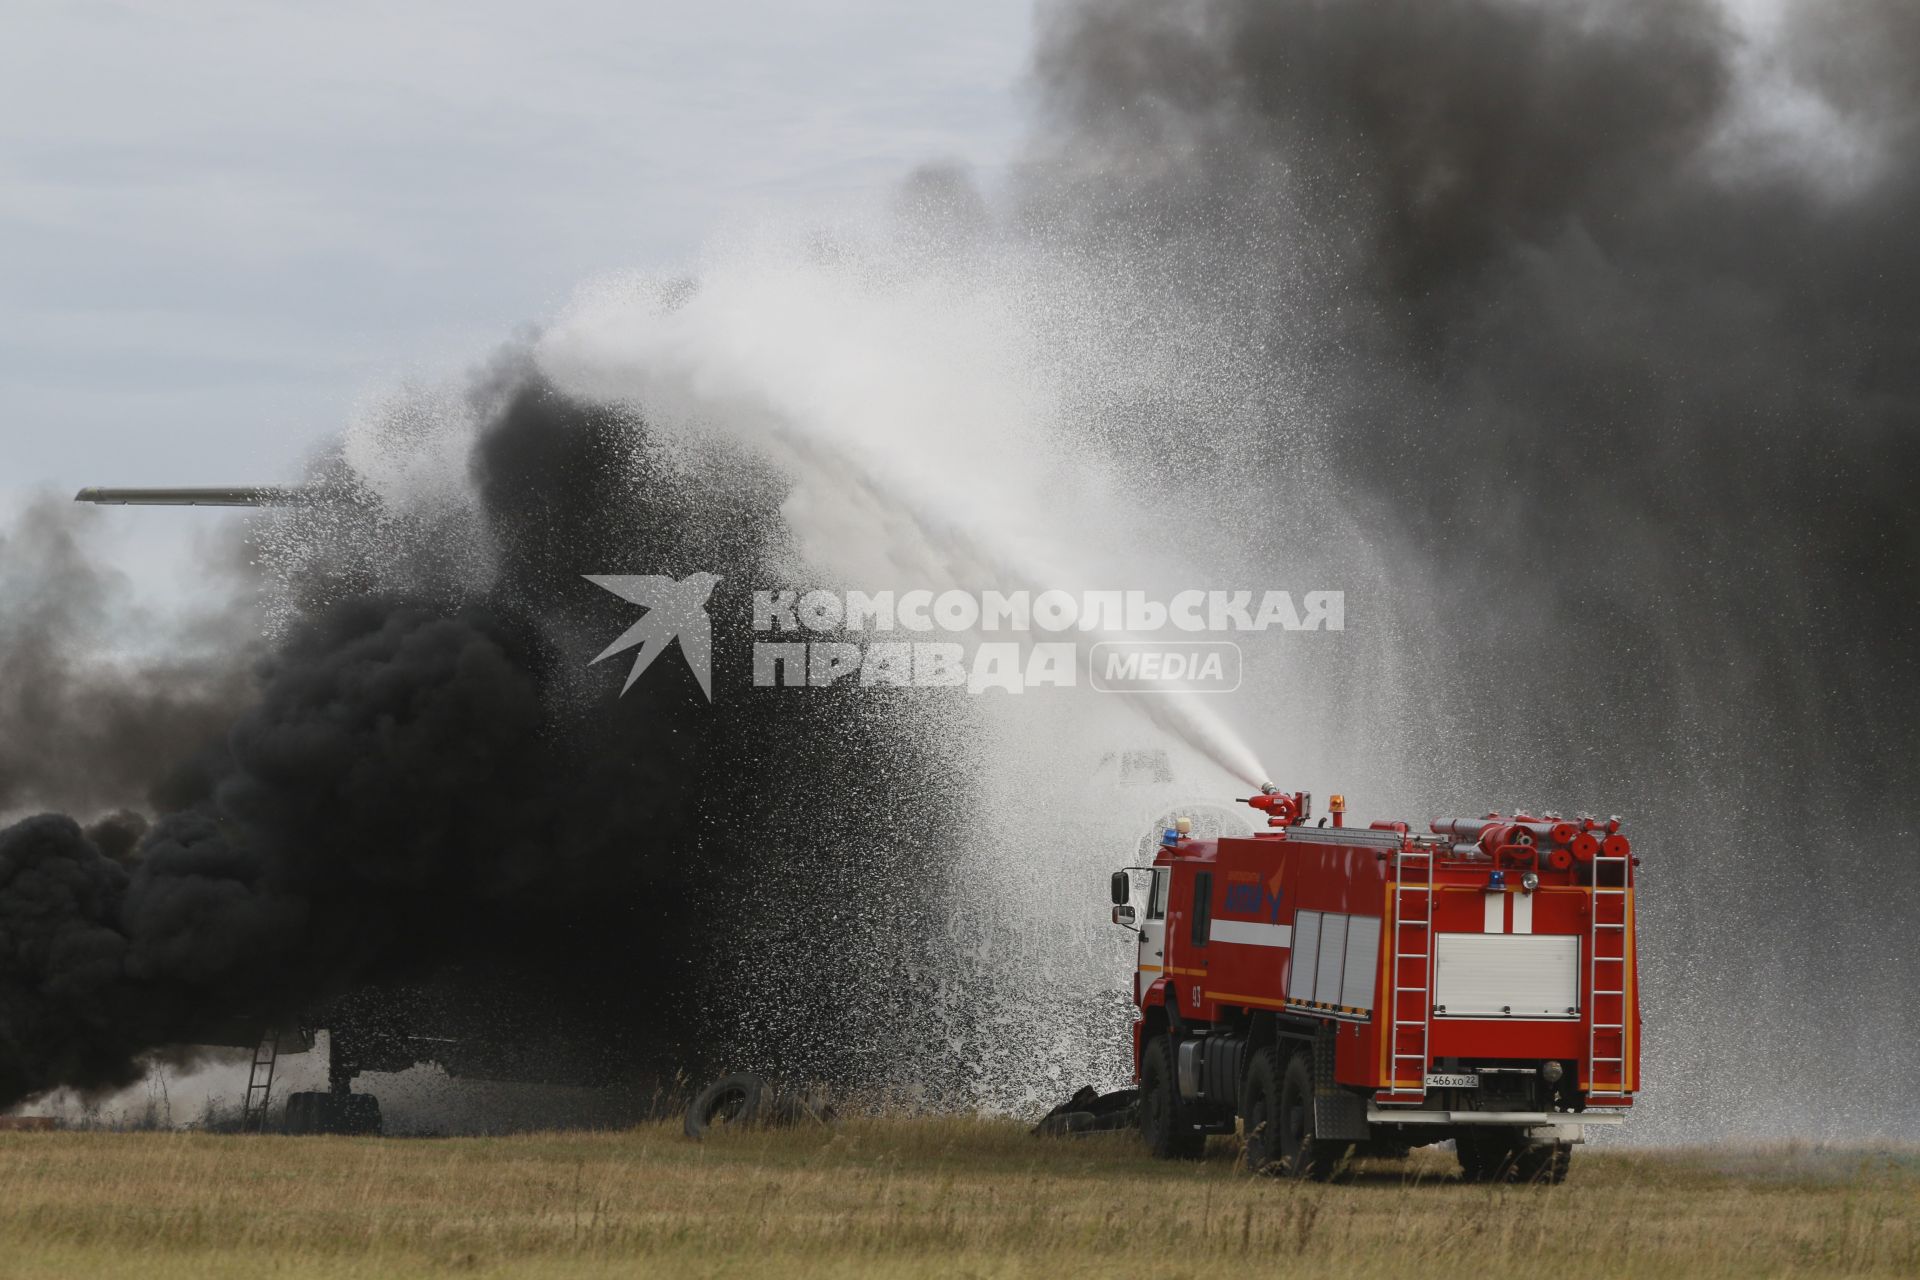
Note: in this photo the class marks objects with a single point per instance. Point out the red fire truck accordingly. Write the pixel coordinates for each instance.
(1333, 989)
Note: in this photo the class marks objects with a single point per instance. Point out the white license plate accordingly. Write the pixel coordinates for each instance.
(1445, 1081)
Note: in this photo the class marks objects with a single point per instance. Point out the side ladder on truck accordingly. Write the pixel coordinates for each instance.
(1410, 1008)
(1607, 980)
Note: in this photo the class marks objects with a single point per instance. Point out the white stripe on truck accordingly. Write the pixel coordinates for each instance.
(1249, 934)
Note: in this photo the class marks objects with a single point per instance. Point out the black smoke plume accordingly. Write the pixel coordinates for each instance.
(79, 728)
(434, 829)
(1597, 323)
(1608, 321)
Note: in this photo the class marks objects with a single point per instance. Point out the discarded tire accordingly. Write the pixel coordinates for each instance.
(741, 1100)
(728, 1102)
(1090, 1112)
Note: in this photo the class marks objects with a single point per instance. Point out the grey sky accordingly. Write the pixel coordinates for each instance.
(220, 223)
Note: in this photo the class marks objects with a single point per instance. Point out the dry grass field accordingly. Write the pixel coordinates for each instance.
(914, 1198)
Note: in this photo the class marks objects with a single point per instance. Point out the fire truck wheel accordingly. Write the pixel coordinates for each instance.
(1483, 1159)
(1163, 1119)
(1542, 1162)
(1260, 1116)
(1304, 1155)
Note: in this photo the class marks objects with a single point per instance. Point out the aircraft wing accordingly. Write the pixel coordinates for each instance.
(236, 496)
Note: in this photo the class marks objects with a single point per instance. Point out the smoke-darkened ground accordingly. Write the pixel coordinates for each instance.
(1578, 343)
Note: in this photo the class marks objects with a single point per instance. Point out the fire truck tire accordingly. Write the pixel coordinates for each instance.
(1498, 1160)
(1303, 1155)
(730, 1100)
(1483, 1159)
(1544, 1162)
(1260, 1116)
(1164, 1122)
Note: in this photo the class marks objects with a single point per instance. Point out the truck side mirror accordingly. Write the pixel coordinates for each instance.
(1122, 889)
(1123, 916)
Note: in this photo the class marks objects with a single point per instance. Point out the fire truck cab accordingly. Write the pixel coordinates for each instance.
(1328, 990)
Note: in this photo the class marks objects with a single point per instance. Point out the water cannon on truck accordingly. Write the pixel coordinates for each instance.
(1330, 989)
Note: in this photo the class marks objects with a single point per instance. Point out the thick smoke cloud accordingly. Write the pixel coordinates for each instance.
(435, 830)
(83, 726)
(1608, 319)
(1580, 341)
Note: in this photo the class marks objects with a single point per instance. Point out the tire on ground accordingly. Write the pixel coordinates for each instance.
(1164, 1122)
(1065, 1124)
(730, 1100)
